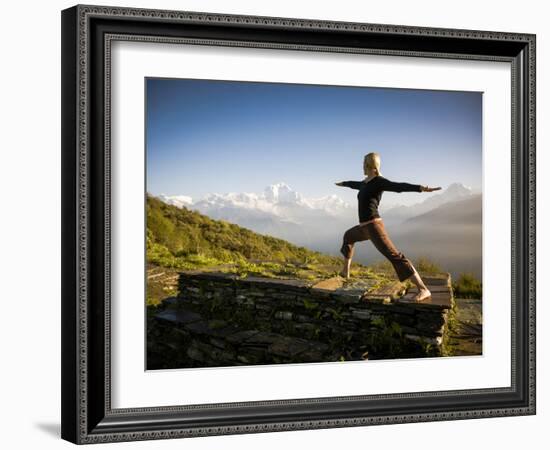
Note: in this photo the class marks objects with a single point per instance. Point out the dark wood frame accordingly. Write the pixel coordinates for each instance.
(87, 416)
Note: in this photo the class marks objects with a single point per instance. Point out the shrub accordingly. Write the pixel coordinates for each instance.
(425, 265)
(467, 286)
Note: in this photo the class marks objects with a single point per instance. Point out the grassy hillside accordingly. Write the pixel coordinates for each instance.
(182, 238)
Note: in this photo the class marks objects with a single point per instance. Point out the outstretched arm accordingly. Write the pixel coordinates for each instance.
(350, 184)
(387, 185)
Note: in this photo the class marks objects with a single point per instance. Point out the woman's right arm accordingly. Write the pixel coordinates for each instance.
(350, 184)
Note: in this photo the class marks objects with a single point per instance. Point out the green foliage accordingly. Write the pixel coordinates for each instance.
(453, 327)
(379, 322)
(467, 286)
(152, 301)
(389, 342)
(396, 329)
(335, 314)
(310, 305)
(426, 266)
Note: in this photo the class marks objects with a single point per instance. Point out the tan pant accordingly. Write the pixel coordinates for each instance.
(376, 232)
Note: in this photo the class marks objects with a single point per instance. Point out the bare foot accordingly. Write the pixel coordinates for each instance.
(422, 295)
(343, 274)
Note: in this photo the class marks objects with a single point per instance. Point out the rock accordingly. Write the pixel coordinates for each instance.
(346, 298)
(361, 314)
(441, 279)
(241, 336)
(329, 284)
(261, 338)
(437, 301)
(376, 298)
(178, 317)
(283, 315)
(194, 290)
(306, 327)
(201, 351)
(288, 347)
(392, 290)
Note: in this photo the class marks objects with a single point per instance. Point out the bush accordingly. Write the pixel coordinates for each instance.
(425, 265)
(467, 286)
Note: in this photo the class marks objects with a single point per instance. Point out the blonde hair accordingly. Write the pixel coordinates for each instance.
(372, 160)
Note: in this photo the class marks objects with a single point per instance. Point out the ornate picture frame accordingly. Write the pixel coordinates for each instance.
(88, 33)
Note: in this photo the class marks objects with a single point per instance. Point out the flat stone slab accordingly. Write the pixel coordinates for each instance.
(178, 317)
(278, 282)
(436, 301)
(438, 279)
(392, 290)
(438, 288)
(353, 289)
(330, 284)
(373, 298)
(212, 275)
(241, 336)
(293, 347)
(261, 338)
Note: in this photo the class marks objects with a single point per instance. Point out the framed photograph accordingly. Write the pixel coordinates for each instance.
(278, 224)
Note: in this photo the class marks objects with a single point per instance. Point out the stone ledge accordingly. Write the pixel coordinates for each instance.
(335, 288)
(258, 320)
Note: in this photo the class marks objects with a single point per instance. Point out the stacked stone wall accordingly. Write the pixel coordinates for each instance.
(218, 319)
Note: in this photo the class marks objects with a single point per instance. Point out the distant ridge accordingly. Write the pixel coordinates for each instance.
(465, 211)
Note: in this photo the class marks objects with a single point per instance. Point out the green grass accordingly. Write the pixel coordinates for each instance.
(467, 286)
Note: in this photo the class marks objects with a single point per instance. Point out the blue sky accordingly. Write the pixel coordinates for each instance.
(207, 136)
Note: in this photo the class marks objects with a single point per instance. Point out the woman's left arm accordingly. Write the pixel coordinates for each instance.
(392, 186)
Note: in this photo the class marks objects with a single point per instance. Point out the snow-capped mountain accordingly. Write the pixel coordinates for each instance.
(176, 200)
(277, 200)
(279, 211)
(281, 192)
(280, 203)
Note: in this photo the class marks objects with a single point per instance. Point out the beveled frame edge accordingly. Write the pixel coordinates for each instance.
(76, 219)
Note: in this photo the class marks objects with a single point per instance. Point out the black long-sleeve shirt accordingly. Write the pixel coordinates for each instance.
(370, 194)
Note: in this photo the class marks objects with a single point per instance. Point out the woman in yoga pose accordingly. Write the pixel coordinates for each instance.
(371, 225)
